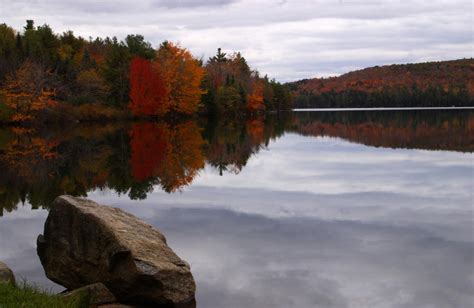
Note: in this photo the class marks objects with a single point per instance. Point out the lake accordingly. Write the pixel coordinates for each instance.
(303, 209)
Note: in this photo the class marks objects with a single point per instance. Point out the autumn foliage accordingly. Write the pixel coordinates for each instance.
(233, 88)
(148, 90)
(423, 84)
(129, 75)
(170, 83)
(182, 74)
(27, 92)
(255, 98)
(445, 74)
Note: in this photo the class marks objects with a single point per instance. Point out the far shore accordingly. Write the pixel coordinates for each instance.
(381, 108)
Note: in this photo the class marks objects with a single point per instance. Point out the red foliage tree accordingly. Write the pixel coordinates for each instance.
(148, 91)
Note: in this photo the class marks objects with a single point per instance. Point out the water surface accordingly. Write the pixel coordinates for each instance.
(307, 209)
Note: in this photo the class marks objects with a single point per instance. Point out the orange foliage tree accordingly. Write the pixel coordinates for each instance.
(183, 75)
(147, 88)
(255, 98)
(27, 92)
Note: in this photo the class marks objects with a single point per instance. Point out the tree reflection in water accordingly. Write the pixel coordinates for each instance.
(135, 158)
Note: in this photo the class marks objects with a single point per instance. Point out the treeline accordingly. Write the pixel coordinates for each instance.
(433, 96)
(435, 84)
(45, 75)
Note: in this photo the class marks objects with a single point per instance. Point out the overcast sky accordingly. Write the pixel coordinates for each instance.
(288, 40)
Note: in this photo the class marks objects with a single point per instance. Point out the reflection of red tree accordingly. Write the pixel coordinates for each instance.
(171, 154)
(149, 144)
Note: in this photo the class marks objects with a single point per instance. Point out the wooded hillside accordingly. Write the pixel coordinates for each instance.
(424, 84)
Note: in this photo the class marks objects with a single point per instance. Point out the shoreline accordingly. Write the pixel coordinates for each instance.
(384, 108)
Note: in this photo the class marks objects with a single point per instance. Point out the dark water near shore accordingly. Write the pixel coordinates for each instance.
(304, 209)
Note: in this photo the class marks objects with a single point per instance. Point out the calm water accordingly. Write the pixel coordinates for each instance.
(310, 209)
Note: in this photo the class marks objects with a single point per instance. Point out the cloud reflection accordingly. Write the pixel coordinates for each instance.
(308, 222)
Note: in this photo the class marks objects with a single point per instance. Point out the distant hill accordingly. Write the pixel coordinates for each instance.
(444, 83)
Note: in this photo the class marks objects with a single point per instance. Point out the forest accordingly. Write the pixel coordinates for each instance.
(50, 77)
(433, 84)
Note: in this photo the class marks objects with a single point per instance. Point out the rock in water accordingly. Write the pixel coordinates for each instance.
(6, 274)
(86, 243)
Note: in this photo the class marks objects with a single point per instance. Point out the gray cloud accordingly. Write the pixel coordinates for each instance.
(286, 39)
(191, 3)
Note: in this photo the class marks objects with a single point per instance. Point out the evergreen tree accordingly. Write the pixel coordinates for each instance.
(117, 62)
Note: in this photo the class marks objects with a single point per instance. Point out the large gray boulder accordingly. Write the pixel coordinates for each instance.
(86, 243)
(6, 274)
